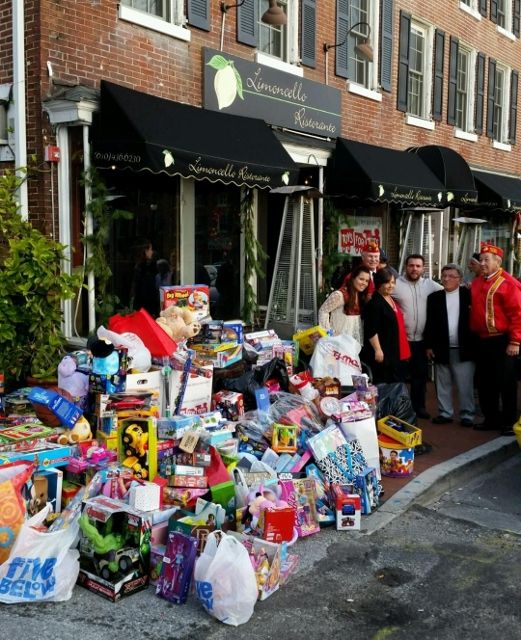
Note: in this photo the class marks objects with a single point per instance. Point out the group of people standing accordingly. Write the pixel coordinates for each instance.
(471, 331)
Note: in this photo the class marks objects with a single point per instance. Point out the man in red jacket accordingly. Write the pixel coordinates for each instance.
(495, 316)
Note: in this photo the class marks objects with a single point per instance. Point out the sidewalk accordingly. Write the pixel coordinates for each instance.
(458, 454)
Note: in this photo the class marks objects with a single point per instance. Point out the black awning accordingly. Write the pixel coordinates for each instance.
(139, 132)
(500, 192)
(364, 171)
(452, 171)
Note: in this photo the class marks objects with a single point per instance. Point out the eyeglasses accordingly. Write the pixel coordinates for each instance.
(450, 276)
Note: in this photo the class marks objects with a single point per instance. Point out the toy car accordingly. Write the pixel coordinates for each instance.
(121, 560)
(135, 440)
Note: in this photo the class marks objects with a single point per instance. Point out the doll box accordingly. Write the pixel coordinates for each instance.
(399, 430)
(265, 558)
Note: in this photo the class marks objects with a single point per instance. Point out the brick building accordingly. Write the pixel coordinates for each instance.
(181, 104)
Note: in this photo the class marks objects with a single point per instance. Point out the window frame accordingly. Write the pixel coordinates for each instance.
(502, 109)
(427, 32)
(470, 89)
(174, 27)
(291, 61)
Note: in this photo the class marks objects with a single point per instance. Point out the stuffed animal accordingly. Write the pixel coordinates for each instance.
(80, 432)
(73, 381)
(178, 323)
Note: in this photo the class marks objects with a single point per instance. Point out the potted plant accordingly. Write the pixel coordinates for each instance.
(32, 287)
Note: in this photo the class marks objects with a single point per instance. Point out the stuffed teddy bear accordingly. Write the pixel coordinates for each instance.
(178, 323)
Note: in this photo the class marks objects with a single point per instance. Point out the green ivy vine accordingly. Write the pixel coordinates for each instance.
(254, 255)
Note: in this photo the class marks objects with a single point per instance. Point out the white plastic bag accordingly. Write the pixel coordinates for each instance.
(225, 580)
(141, 359)
(337, 357)
(41, 566)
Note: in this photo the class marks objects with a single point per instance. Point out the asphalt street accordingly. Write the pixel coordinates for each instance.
(448, 570)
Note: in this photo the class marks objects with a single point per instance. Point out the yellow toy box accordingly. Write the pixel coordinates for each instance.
(308, 338)
(399, 430)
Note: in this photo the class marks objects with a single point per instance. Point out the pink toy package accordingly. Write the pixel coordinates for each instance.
(177, 568)
(300, 494)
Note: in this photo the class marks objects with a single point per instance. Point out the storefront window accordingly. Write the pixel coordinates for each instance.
(217, 246)
(144, 251)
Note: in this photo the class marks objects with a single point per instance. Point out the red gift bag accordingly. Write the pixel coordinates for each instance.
(157, 341)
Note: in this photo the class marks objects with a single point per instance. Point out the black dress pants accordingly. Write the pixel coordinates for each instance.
(496, 381)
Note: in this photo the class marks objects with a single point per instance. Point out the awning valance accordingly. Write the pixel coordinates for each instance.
(452, 171)
(365, 171)
(500, 192)
(139, 132)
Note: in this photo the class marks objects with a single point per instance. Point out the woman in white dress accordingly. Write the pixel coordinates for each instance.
(341, 310)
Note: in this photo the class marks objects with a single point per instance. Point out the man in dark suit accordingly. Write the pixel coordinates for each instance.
(450, 344)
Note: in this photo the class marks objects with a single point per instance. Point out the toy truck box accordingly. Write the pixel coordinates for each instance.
(137, 446)
(114, 548)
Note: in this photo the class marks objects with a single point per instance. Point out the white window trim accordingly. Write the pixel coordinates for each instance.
(155, 24)
(414, 121)
(465, 135)
(472, 11)
(506, 32)
(360, 90)
(507, 29)
(501, 146)
(277, 63)
(429, 53)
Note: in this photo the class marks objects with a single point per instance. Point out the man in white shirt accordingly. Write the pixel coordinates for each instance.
(451, 346)
(411, 292)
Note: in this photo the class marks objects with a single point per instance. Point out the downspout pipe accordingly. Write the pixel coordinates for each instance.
(20, 134)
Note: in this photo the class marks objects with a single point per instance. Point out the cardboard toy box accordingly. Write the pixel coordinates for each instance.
(307, 338)
(66, 412)
(266, 561)
(124, 569)
(194, 297)
(198, 392)
(137, 446)
(399, 430)
(348, 508)
(54, 455)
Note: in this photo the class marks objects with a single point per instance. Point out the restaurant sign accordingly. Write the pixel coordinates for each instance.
(234, 85)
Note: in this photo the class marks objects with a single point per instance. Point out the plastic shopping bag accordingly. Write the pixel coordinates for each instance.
(41, 565)
(225, 580)
(336, 357)
(12, 504)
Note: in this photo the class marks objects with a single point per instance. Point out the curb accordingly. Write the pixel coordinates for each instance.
(443, 477)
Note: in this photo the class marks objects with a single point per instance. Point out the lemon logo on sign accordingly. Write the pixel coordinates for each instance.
(227, 82)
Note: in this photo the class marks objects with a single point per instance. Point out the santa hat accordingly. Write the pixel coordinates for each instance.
(371, 246)
(490, 248)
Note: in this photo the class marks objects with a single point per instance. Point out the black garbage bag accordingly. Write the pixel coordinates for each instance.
(394, 400)
(246, 384)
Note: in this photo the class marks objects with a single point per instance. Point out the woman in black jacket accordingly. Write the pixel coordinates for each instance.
(385, 341)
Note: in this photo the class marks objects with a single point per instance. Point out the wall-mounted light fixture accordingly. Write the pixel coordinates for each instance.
(274, 16)
(364, 48)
